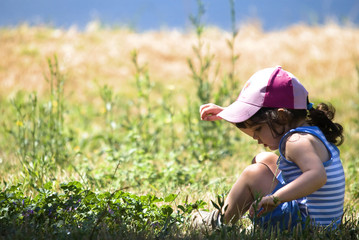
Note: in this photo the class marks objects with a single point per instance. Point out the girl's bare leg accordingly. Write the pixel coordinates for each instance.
(269, 159)
(256, 180)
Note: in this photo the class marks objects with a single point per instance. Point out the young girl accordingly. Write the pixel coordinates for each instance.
(306, 182)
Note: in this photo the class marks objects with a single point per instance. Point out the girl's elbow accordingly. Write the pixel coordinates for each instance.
(323, 179)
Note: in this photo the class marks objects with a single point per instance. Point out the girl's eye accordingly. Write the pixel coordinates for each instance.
(258, 129)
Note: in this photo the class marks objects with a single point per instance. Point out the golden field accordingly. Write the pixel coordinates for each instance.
(321, 57)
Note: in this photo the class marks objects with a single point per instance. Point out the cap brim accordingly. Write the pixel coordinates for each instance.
(238, 112)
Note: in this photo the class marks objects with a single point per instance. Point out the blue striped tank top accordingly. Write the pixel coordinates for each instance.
(325, 206)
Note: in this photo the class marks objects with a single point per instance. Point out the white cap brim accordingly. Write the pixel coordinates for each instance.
(238, 112)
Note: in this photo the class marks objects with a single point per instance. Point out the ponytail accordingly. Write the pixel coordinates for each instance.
(322, 117)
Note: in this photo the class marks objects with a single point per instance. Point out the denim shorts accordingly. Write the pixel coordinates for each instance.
(286, 216)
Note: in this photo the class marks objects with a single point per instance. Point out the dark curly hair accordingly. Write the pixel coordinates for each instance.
(321, 116)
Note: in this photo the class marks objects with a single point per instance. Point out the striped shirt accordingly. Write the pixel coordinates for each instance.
(324, 206)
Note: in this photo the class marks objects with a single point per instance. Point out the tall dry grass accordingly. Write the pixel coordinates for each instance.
(323, 58)
(319, 56)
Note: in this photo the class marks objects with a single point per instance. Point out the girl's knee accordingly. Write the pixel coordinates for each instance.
(265, 157)
(259, 178)
(256, 170)
(269, 159)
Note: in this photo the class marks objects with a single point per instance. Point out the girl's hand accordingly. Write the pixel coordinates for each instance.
(209, 112)
(266, 204)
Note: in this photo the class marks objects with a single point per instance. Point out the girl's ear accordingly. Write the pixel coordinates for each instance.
(283, 115)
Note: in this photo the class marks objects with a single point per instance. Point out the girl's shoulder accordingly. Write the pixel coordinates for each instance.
(301, 135)
(299, 143)
(303, 141)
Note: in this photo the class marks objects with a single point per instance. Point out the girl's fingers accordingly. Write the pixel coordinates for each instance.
(260, 212)
(211, 118)
(252, 211)
(209, 111)
(205, 107)
(205, 111)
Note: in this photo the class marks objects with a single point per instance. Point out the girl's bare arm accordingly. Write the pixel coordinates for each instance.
(307, 152)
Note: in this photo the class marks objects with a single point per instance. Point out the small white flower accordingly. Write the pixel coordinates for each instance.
(108, 106)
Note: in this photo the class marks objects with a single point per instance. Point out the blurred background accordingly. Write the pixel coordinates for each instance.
(144, 15)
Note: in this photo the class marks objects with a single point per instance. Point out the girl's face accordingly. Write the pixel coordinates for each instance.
(263, 134)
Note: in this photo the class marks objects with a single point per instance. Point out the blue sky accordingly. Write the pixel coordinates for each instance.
(143, 15)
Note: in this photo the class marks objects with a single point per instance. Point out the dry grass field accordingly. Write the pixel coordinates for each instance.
(324, 58)
(321, 57)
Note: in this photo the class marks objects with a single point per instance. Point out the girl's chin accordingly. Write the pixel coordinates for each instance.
(272, 147)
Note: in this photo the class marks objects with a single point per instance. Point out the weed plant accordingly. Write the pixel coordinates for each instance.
(40, 137)
(211, 140)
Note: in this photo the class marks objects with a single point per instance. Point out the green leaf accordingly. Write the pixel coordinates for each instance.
(171, 197)
(166, 210)
(220, 200)
(48, 185)
(215, 205)
(182, 208)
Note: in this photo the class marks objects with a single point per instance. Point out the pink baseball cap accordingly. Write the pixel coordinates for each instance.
(269, 87)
